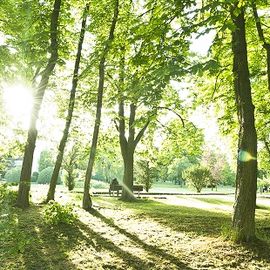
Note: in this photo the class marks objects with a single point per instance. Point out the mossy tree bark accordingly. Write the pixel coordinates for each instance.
(61, 148)
(87, 202)
(246, 180)
(25, 178)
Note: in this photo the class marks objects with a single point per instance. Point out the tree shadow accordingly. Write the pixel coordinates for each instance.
(39, 246)
(153, 250)
(260, 248)
(181, 218)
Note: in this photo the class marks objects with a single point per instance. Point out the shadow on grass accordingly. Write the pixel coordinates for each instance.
(39, 246)
(131, 261)
(153, 250)
(181, 218)
(35, 245)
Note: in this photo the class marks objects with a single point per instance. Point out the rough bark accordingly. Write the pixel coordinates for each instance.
(61, 148)
(243, 222)
(87, 202)
(266, 45)
(25, 178)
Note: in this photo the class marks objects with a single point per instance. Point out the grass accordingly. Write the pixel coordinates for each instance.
(146, 234)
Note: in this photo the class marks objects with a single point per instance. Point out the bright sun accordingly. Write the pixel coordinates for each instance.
(18, 102)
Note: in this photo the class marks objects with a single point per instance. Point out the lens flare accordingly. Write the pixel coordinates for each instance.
(245, 156)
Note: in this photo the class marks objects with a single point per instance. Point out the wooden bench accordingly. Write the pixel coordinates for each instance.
(117, 188)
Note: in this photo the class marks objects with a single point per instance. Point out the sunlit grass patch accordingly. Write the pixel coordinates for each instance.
(217, 201)
(179, 218)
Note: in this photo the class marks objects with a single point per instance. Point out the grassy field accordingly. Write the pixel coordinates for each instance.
(165, 232)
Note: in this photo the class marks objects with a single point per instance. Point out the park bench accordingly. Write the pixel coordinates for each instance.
(117, 188)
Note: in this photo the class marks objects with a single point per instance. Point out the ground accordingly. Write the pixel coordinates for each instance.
(165, 232)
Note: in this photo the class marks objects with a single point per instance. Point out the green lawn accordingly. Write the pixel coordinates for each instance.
(173, 232)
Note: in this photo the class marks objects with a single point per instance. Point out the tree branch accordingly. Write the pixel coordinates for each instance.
(171, 110)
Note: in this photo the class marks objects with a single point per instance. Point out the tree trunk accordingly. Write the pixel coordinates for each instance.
(87, 202)
(25, 178)
(246, 179)
(61, 148)
(127, 190)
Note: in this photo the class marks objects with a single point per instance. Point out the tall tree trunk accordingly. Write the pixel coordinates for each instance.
(246, 180)
(87, 202)
(266, 44)
(61, 148)
(128, 147)
(128, 158)
(25, 178)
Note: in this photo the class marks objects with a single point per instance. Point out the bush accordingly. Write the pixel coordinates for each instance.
(34, 177)
(13, 175)
(45, 160)
(46, 175)
(55, 214)
(7, 196)
(197, 176)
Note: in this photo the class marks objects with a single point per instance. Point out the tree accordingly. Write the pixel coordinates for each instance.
(144, 73)
(246, 178)
(70, 165)
(216, 163)
(145, 173)
(87, 202)
(45, 160)
(61, 147)
(24, 186)
(197, 176)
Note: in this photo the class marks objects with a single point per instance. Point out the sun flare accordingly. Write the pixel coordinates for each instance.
(18, 102)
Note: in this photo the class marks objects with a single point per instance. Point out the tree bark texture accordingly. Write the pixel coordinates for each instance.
(87, 202)
(61, 148)
(25, 178)
(243, 222)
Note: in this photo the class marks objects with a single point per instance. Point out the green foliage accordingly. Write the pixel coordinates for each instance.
(45, 160)
(34, 177)
(146, 174)
(263, 183)
(56, 214)
(197, 176)
(228, 176)
(13, 175)
(70, 163)
(69, 181)
(176, 168)
(45, 175)
(7, 196)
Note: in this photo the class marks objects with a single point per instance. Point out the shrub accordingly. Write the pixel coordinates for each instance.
(45, 160)
(7, 196)
(45, 176)
(34, 177)
(55, 214)
(197, 176)
(13, 175)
